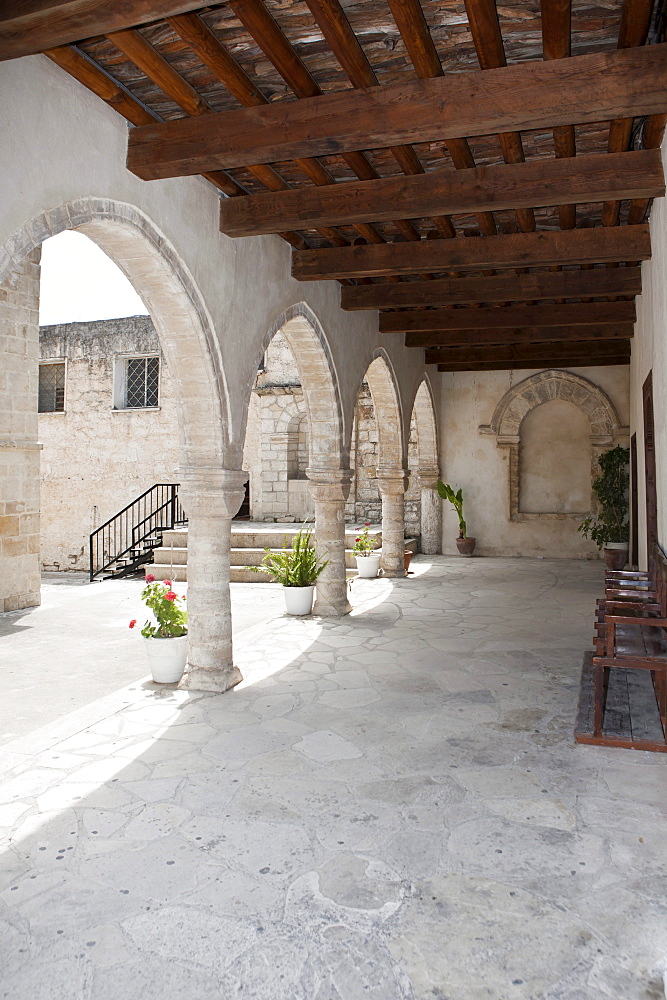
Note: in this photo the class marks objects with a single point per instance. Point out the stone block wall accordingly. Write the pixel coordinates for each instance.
(96, 459)
(19, 450)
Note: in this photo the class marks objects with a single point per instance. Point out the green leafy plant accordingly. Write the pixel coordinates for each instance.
(167, 607)
(294, 567)
(363, 543)
(456, 500)
(611, 523)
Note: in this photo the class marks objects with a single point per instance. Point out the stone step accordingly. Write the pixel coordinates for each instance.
(254, 535)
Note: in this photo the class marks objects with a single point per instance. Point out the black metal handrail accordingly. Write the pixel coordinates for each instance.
(131, 534)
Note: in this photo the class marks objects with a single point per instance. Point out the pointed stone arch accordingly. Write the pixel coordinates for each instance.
(530, 393)
(423, 411)
(383, 384)
(179, 313)
(319, 382)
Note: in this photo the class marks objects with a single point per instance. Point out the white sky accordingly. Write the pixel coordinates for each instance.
(79, 283)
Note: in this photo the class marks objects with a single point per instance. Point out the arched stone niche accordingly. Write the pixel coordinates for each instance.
(523, 398)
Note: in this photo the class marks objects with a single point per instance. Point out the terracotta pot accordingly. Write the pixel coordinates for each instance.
(466, 546)
(615, 555)
(407, 556)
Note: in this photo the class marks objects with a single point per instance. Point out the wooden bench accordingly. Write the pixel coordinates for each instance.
(623, 698)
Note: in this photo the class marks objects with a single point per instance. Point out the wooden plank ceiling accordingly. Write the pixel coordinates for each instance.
(368, 135)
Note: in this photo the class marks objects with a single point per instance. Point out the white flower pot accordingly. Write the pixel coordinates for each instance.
(298, 600)
(368, 566)
(167, 658)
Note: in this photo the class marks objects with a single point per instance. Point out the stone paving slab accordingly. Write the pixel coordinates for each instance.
(391, 806)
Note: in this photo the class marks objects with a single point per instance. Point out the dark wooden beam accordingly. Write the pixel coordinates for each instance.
(556, 44)
(598, 349)
(30, 26)
(588, 88)
(574, 246)
(502, 366)
(481, 189)
(476, 337)
(505, 317)
(538, 286)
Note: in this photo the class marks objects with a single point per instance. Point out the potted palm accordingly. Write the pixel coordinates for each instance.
(297, 569)
(609, 528)
(165, 638)
(368, 561)
(465, 545)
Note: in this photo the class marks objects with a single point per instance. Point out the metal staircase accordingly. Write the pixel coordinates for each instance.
(126, 542)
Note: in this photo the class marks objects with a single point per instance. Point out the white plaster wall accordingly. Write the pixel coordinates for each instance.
(474, 462)
(649, 352)
(61, 143)
(555, 459)
(95, 459)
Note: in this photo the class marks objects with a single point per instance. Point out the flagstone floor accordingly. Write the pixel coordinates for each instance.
(391, 807)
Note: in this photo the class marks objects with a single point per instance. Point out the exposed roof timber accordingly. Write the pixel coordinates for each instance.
(547, 362)
(505, 317)
(30, 26)
(574, 246)
(496, 288)
(520, 335)
(481, 189)
(556, 18)
(588, 88)
(599, 349)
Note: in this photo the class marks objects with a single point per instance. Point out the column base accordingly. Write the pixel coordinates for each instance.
(395, 574)
(326, 610)
(215, 679)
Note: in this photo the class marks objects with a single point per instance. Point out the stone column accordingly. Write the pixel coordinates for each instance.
(330, 489)
(393, 484)
(431, 519)
(211, 499)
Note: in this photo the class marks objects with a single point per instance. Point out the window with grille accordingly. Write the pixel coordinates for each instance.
(142, 376)
(52, 387)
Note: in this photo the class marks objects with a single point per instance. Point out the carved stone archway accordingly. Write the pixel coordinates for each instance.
(547, 385)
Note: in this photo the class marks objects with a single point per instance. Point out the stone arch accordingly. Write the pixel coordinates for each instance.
(319, 382)
(555, 384)
(382, 382)
(530, 393)
(423, 411)
(178, 310)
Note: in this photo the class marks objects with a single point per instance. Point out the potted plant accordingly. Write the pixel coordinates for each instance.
(167, 641)
(465, 545)
(609, 528)
(368, 561)
(297, 569)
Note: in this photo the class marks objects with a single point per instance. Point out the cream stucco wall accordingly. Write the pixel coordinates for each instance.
(473, 461)
(649, 353)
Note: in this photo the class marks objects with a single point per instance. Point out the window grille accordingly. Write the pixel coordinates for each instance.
(142, 376)
(52, 388)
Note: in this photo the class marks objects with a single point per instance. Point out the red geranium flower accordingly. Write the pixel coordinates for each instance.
(133, 623)
(167, 583)
(150, 578)
(170, 596)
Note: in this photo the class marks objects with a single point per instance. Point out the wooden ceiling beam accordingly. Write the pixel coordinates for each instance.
(588, 88)
(536, 183)
(520, 336)
(573, 246)
(506, 317)
(501, 366)
(556, 17)
(275, 45)
(537, 286)
(31, 26)
(527, 352)
(410, 21)
(487, 37)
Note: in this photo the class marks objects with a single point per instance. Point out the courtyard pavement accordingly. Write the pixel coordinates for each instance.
(390, 807)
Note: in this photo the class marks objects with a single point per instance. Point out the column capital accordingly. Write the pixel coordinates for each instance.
(428, 478)
(392, 481)
(212, 492)
(329, 485)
